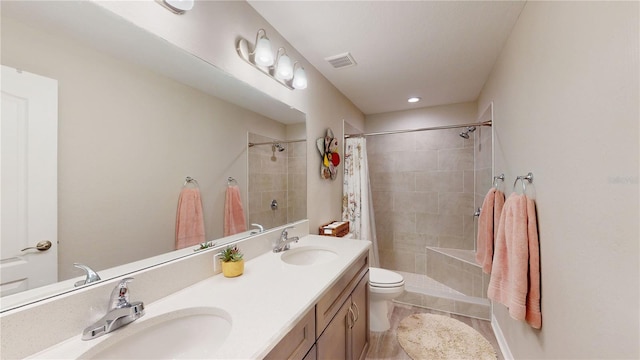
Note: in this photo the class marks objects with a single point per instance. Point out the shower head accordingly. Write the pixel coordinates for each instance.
(277, 146)
(465, 134)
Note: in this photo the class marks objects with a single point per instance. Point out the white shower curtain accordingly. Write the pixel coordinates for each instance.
(357, 206)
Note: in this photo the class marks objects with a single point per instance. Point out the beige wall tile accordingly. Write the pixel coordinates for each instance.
(437, 181)
(421, 202)
(455, 159)
(416, 160)
(393, 181)
(455, 203)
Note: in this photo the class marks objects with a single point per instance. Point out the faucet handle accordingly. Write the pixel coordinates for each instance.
(260, 227)
(120, 294)
(285, 232)
(92, 276)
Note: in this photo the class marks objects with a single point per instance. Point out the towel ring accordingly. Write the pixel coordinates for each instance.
(522, 178)
(189, 180)
(496, 178)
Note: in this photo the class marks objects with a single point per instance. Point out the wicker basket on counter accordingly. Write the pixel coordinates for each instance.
(334, 228)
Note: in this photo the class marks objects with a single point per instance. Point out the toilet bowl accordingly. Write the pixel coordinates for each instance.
(384, 285)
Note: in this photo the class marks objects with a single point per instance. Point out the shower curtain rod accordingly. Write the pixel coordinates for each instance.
(277, 142)
(484, 123)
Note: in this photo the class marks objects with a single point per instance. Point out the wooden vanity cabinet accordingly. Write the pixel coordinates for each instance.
(338, 326)
(347, 334)
(296, 344)
(342, 316)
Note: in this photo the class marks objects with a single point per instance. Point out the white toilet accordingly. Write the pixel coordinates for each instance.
(384, 286)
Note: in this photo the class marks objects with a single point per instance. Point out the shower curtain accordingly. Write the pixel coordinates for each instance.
(357, 206)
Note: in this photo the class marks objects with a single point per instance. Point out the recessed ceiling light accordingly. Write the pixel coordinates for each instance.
(414, 99)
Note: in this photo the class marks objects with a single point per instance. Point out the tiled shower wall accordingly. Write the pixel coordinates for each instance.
(484, 164)
(423, 195)
(279, 176)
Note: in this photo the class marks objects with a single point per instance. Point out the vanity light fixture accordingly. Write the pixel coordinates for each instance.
(177, 6)
(299, 77)
(278, 67)
(262, 54)
(284, 70)
(414, 99)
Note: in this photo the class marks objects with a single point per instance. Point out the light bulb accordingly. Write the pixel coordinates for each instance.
(299, 79)
(263, 54)
(284, 70)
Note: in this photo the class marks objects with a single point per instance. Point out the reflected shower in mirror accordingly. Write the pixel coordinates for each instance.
(277, 179)
(134, 121)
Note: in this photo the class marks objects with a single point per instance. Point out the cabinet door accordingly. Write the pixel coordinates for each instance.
(298, 341)
(334, 344)
(360, 330)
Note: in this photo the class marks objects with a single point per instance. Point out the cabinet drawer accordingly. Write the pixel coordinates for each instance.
(330, 303)
(298, 341)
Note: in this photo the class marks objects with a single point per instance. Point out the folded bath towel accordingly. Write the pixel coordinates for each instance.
(189, 219)
(515, 274)
(487, 227)
(234, 221)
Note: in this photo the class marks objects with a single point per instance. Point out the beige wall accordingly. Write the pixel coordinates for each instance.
(565, 93)
(127, 140)
(210, 32)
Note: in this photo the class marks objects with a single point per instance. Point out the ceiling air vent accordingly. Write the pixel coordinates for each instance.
(341, 61)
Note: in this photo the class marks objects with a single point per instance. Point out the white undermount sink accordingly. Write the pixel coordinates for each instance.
(308, 255)
(194, 333)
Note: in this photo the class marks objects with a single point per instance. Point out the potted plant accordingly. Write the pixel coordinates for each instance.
(232, 261)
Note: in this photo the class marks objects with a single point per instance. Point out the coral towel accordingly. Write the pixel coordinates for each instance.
(189, 219)
(234, 221)
(487, 226)
(515, 275)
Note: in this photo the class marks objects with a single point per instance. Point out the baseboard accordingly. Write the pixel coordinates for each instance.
(502, 342)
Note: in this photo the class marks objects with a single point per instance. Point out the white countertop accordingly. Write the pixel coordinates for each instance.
(264, 303)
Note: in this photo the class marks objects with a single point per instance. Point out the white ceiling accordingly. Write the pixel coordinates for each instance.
(441, 51)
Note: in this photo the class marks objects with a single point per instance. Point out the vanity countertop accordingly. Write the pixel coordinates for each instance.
(264, 303)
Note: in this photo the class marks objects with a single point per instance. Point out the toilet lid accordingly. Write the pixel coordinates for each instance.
(384, 278)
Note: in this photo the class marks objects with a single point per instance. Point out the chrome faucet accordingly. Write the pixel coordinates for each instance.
(283, 243)
(121, 312)
(92, 276)
(259, 230)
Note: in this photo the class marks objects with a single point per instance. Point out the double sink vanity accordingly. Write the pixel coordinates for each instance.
(308, 302)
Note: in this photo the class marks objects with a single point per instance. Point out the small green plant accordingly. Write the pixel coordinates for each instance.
(205, 245)
(231, 253)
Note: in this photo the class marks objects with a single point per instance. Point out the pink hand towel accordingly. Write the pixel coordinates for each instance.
(234, 221)
(189, 219)
(487, 225)
(515, 274)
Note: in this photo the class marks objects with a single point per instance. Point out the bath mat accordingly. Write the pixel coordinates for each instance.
(429, 336)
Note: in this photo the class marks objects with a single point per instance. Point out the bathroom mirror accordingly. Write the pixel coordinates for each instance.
(133, 122)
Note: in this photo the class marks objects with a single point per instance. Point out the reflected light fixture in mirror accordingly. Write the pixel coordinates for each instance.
(280, 69)
(177, 6)
(414, 99)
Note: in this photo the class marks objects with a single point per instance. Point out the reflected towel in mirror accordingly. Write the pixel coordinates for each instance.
(189, 219)
(234, 221)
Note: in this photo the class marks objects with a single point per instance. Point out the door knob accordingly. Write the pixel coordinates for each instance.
(43, 245)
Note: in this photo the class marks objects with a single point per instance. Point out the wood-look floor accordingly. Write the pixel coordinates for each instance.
(384, 345)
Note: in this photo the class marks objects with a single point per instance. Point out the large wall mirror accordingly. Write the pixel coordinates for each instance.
(136, 116)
